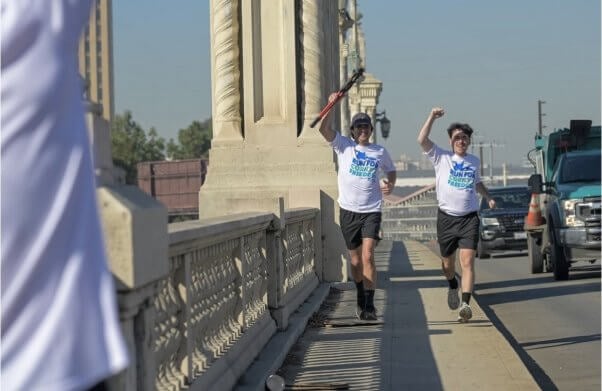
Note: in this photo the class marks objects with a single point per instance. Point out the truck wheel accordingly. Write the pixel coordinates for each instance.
(481, 252)
(560, 265)
(535, 255)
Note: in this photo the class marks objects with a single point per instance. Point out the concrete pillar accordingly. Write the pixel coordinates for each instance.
(345, 23)
(271, 74)
(135, 235)
(99, 133)
(370, 90)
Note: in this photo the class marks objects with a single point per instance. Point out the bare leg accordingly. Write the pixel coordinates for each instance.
(467, 264)
(368, 245)
(356, 264)
(448, 264)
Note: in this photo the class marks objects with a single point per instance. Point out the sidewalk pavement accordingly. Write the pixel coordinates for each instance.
(419, 345)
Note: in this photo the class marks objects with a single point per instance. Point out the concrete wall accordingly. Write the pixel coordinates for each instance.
(271, 74)
(199, 300)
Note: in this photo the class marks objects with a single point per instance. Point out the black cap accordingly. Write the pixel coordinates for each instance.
(360, 119)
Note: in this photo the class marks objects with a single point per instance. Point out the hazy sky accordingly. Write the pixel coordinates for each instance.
(485, 62)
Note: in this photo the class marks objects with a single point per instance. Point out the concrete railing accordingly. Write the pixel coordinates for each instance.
(232, 282)
(412, 217)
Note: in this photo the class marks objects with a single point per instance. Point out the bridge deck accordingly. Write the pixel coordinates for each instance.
(420, 345)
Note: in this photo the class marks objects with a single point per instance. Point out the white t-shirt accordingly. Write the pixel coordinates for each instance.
(456, 180)
(359, 187)
(60, 325)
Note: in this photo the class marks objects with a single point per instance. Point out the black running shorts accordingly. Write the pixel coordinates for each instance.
(455, 232)
(356, 226)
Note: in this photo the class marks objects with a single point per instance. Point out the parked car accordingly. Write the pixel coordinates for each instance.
(502, 228)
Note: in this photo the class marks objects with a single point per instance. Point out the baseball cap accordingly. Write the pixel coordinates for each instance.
(360, 119)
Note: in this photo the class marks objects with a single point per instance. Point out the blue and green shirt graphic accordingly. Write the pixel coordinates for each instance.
(363, 166)
(461, 177)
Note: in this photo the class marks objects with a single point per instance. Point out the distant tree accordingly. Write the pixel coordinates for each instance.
(131, 145)
(194, 141)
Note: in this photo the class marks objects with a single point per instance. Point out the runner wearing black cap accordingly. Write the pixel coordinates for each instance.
(360, 200)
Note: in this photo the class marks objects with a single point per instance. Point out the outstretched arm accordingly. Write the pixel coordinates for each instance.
(482, 190)
(423, 137)
(326, 124)
(388, 184)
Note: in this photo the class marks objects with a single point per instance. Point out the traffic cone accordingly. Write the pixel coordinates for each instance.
(534, 217)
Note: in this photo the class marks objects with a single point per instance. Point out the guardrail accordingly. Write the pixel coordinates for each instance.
(232, 283)
(411, 217)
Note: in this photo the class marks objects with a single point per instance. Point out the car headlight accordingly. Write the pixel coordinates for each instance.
(490, 221)
(568, 208)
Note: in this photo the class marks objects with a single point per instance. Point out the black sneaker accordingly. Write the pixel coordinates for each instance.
(369, 315)
(453, 299)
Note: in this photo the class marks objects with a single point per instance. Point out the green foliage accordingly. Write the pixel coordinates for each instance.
(194, 141)
(131, 145)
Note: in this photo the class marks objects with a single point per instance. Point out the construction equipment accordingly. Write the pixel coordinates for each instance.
(567, 189)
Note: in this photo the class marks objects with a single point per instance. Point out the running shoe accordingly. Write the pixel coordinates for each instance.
(453, 298)
(370, 315)
(465, 313)
(359, 312)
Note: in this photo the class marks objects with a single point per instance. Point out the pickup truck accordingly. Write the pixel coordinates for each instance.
(567, 185)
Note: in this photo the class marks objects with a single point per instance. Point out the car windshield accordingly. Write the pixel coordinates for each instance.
(581, 169)
(518, 198)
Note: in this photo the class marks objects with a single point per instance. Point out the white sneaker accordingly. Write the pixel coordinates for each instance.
(453, 299)
(465, 313)
(359, 312)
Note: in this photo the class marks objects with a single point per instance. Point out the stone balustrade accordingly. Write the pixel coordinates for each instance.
(231, 283)
(413, 217)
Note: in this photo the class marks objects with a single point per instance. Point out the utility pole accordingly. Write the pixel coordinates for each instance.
(491, 162)
(539, 116)
(481, 158)
(490, 145)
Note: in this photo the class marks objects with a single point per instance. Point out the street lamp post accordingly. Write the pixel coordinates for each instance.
(385, 123)
(345, 23)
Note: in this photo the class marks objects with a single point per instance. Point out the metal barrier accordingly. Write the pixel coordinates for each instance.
(412, 217)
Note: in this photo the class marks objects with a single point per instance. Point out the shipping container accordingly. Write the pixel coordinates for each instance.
(174, 183)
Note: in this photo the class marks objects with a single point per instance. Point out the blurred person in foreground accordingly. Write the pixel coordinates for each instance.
(457, 183)
(60, 327)
(360, 200)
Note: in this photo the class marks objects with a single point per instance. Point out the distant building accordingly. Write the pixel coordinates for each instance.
(95, 56)
(405, 163)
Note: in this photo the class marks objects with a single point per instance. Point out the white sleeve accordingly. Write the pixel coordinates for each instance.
(387, 162)
(434, 154)
(340, 143)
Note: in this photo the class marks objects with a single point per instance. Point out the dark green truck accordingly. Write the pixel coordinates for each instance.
(567, 188)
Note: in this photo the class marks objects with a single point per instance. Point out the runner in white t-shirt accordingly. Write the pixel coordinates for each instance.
(457, 183)
(360, 200)
(60, 325)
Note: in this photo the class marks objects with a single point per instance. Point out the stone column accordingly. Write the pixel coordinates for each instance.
(370, 90)
(99, 133)
(225, 81)
(279, 64)
(135, 235)
(345, 23)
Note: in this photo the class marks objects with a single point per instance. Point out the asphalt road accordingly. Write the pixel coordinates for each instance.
(554, 326)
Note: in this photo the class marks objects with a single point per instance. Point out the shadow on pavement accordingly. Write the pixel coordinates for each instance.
(491, 299)
(561, 341)
(391, 356)
(542, 379)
